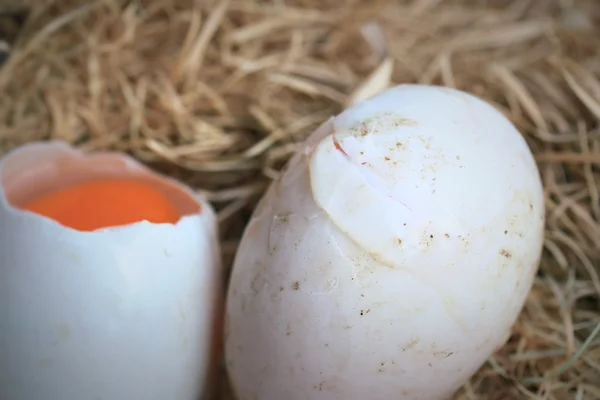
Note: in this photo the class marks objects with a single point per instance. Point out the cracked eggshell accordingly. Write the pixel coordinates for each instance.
(392, 256)
(118, 313)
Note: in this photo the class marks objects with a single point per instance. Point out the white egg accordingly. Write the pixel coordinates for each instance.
(391, 258)
(117, 313)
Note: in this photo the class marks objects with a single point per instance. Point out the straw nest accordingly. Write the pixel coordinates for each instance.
(216, 93)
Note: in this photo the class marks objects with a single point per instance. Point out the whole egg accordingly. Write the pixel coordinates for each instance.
(391, 258)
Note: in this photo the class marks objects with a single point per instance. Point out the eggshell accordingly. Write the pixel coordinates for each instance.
(392, 256)
(118, 313)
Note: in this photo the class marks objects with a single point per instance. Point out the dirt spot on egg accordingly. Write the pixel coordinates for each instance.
(331, 385)
(380, 123)
(258, 282)
(426, 141)
(327, 386)
(442, 354)
(411, 344)
(296, 285)
(505, 253)
(405, 122)
(426, 240)
(465, 242)
(283, 218)
(336, 143)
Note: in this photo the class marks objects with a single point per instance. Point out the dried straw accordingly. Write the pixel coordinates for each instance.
(217, 93)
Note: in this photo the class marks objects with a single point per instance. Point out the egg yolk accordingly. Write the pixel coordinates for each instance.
(105, 203)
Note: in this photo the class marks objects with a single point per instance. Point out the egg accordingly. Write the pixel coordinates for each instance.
(391, 257)
(110, 279)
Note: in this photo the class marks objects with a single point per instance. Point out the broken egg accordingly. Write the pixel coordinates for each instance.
(391, 258)
(109, 279)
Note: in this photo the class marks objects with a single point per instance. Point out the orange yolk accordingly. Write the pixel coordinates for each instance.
(105, 203)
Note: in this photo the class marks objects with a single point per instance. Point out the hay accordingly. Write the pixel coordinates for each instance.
(217, 93)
